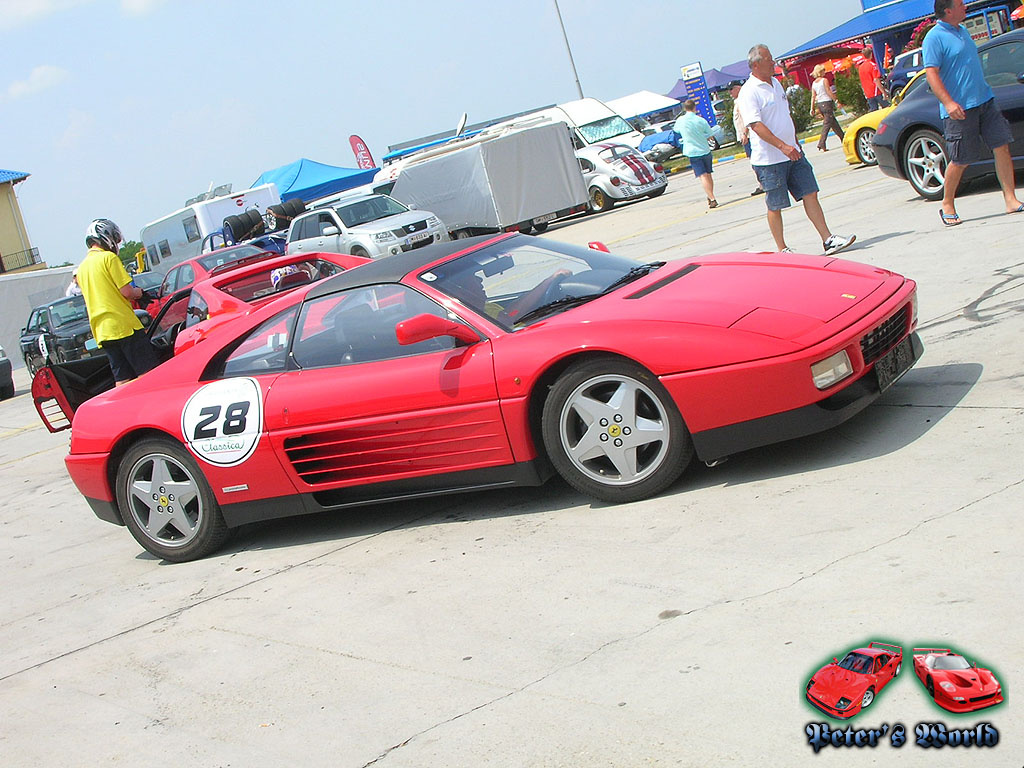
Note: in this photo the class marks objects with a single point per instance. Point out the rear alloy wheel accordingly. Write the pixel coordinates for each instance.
(166, 502)
(865, 146)
(599, 201)
(869, 696)
(924, 158)
(613, 432)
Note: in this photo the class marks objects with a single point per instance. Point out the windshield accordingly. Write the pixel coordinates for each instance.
(951, 662)
(912, 86)
(369, 209)
(216, 259)
(604, 129)
(856, 662)
(68, 311)
(147, 280)
(510, 281)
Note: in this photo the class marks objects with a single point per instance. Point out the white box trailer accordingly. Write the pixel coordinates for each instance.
(496, 181)
(179, 236)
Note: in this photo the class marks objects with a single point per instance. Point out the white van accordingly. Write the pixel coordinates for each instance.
(591, 120)
(179, 235)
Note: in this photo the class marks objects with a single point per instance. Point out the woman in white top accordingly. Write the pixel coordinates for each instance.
(823, 99)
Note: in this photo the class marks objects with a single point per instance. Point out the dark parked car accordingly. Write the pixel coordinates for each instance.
(6, 376)
(909, 143)
(904, 68)
(59, 331)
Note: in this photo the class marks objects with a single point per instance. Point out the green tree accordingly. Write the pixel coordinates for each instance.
(800, 108)
(849, 92)
(728, 105)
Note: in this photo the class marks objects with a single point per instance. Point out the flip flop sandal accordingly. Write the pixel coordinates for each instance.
(950, 219)
(1020, 209)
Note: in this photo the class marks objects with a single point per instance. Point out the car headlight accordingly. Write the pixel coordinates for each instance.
(809, 684)
(831, 370)
(382, 237)
(843, 703)
(433, 221)
(947, 686)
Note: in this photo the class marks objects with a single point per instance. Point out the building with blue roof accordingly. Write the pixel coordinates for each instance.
(16, 251)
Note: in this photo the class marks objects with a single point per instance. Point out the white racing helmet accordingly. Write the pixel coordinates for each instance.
(105, 234)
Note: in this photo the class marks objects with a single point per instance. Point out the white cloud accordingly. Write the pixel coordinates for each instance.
(79, 125)
(39, 79)
(140, 7)
(14, 13)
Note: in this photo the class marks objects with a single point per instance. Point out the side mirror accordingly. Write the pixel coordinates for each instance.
(427, 326)
(144, 317)
(597, 245)
(411, 206)
(23, 330)
(835, 660)
(1020, 77)
(331, 231)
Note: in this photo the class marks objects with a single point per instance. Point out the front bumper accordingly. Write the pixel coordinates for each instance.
(821, 706)
(946, 702)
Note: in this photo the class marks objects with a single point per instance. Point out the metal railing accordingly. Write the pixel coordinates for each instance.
(19, 259)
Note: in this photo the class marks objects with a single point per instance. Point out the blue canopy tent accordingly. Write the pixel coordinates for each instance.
(309, 180)
(679, 92)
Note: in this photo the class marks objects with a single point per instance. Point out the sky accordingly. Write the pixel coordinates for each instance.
(123, 109)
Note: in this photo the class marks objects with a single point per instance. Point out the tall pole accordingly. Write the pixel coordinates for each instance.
(579, 88)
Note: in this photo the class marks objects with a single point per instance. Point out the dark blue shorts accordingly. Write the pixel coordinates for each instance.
(780, 180)
(984, 123)
(701, 165)
(131, 356)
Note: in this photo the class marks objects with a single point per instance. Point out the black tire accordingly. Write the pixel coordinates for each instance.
(188, 532)
(357, 251)
(277, 217)
(930, 686)
(524, 228)
(60, 355)
(7, 391)
(294, 207)
(863, 147)
(32, 367)
(924, 162)
(233, 228)
(463, 234)
(654, 457)
(538, 228)
(599, 201)
(253, 221)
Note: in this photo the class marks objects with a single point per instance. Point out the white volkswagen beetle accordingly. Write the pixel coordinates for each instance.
(615, 172)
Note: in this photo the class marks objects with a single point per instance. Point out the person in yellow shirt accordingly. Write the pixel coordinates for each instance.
(108, 290)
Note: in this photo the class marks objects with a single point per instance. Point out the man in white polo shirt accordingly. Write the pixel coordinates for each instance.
(776, 157)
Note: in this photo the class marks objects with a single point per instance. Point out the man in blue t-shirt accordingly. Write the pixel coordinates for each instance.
(694, 132)
(967, 105)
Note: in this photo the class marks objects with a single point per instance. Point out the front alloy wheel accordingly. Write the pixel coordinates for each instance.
(869, 696)
(166, 502)
(613, 432)
(924, 158)
(865, 146)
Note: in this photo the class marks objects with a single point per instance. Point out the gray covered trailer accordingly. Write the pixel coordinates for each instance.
(515, 178)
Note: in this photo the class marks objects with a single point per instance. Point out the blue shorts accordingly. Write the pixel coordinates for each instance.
(780, 180)
(701, 165)
(984, 123)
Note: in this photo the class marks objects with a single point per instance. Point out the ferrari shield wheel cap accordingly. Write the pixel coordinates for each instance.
(222, 421)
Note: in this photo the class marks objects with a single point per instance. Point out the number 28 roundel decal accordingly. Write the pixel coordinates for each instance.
(222, 421)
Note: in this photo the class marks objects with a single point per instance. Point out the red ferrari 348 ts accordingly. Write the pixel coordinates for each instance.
(843, 688)
(485, 363)
(955, 683)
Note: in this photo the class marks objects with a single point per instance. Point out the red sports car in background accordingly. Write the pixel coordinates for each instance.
(955, 683)
(843, 688)
(485, 363)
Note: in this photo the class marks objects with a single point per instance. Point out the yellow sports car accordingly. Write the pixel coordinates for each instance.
(857, 143)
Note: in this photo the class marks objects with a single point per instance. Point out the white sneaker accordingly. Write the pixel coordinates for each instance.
(787, 250)
(836, 243)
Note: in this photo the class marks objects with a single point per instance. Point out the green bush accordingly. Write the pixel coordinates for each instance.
(727, 122)
(849, 92)
(800, 108)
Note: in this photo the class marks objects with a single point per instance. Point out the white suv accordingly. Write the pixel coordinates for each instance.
(369, 225)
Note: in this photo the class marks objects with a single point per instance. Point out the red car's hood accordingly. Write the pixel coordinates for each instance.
(969, 682)
(833, 682)
(779, 295)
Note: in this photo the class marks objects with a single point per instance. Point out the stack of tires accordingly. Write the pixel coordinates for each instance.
(250, 224)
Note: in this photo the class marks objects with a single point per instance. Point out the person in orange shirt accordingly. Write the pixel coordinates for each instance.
(871, 81)
(108, 291)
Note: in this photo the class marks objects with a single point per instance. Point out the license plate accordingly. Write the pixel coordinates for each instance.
(91, 344)
(544, 219)
(894, 364)
(419, 236)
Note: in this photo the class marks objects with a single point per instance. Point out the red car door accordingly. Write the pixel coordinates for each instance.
(364, 409)
(884, 669)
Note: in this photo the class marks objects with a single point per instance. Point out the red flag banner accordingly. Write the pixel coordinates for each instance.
(363, 157)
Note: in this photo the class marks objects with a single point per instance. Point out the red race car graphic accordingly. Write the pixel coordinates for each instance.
(955, 683)
(843, 688)
(486, 363)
